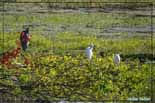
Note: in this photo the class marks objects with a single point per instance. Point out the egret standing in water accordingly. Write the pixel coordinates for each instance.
(89, 51)
(117, 59)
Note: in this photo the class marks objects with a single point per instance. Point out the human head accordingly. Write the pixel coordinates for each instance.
(27, 29)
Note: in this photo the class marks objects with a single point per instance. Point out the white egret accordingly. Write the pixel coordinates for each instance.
(117, 58)
(89, 51)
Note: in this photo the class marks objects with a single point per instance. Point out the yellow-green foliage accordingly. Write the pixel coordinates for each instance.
(78, 79)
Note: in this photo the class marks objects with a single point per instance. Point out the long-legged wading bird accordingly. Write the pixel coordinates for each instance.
(89, 51)
(117, 58)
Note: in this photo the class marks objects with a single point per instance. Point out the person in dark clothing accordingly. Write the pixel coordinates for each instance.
(25, 38)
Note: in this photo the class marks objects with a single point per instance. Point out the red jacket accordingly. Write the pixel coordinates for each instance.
(24, 37)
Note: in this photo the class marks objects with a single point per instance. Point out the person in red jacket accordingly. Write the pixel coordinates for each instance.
(25, 38)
